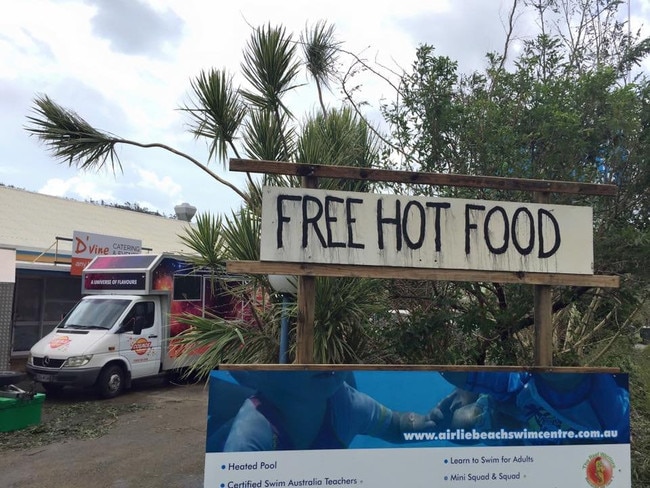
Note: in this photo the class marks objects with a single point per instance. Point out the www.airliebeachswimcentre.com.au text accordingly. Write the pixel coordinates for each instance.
(508, 435)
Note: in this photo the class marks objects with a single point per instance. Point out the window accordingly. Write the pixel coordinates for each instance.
(187, 287)
(141, 314)
(41, 300)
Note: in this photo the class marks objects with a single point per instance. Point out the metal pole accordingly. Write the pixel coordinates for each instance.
(284, 330)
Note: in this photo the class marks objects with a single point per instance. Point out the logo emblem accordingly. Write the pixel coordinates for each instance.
(46, 361)
(59, 341)
(599, 470)
(141, 346)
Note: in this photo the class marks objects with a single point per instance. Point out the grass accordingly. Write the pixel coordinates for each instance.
(62, 421)
(640, 418)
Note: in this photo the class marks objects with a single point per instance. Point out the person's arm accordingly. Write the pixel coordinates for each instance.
(250, 431)
(365, 415)
(501, 386)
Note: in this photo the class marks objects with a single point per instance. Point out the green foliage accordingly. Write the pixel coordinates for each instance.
(343, 307)
(213, 341)
(242, 232)
(216, 111)
(70, 138)
(270, 67)
(321, 52)
(206, 241)
(639, 367)
(338, 138)
(268, 137)
(564, 110)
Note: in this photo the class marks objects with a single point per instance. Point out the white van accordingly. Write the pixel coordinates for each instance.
(124, 328)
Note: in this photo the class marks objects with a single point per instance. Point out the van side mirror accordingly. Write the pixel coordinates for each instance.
(138, 325)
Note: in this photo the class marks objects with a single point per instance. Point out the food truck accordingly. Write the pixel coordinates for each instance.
(124, 327)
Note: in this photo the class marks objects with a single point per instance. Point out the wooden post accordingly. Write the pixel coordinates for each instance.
(306, 305)
(305, 320)
(543, 304)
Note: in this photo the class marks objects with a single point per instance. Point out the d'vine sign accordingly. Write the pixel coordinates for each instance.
(317, 226)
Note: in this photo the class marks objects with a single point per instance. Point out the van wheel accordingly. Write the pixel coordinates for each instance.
(111, 381)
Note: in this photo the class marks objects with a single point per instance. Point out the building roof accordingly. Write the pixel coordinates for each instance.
(33, 221)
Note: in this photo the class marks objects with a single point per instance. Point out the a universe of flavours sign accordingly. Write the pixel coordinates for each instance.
(333, 227)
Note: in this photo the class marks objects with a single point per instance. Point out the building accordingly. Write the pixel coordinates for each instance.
(36, 284)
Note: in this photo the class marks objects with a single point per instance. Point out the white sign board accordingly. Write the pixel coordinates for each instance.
(319, 226)
(388, 429)
(85, 246)
(7, 265)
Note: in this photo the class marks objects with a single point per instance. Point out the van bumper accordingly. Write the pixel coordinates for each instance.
(64, 376)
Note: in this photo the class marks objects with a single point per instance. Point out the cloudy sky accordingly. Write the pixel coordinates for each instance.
(125, 67)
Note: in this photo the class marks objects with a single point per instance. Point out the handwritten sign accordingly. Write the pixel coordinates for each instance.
(320, 226)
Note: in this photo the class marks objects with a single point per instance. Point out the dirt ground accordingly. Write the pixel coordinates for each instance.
(161, 443)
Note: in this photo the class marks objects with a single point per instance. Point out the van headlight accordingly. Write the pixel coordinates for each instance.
(77, 361)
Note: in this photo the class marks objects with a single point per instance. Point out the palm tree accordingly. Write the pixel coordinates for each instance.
(321, 52)
(253, 121)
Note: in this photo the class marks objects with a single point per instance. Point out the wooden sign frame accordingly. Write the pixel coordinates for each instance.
(542, 282)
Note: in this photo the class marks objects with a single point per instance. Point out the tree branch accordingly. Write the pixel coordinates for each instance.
(190, 159)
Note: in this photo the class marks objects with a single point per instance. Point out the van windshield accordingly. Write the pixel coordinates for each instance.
(94, 314)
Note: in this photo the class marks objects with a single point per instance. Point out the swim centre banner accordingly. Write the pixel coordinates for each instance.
(388, 428)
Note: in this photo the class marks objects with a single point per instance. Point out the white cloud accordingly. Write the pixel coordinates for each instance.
(164, 184)
(79, 187)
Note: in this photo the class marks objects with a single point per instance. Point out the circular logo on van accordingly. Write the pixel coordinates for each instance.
(141, 346)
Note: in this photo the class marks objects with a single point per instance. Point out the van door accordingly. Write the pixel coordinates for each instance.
(140, 338)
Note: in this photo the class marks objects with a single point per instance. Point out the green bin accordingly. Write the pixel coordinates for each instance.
(18, 413)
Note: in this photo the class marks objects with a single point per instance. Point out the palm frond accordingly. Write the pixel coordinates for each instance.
(254, 190)
(216, 111)
(241, 232)
(222, 341)
(338, 138)
(207, 241)
(70, 138)
(264, 136)
(346, 138)
(74, 141)
(343, 310)
(270, 67)
(321, 50)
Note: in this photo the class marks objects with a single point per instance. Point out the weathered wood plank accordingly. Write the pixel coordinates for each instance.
(306, 304)
(421, 178)
(386, 272)
(414, 367)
